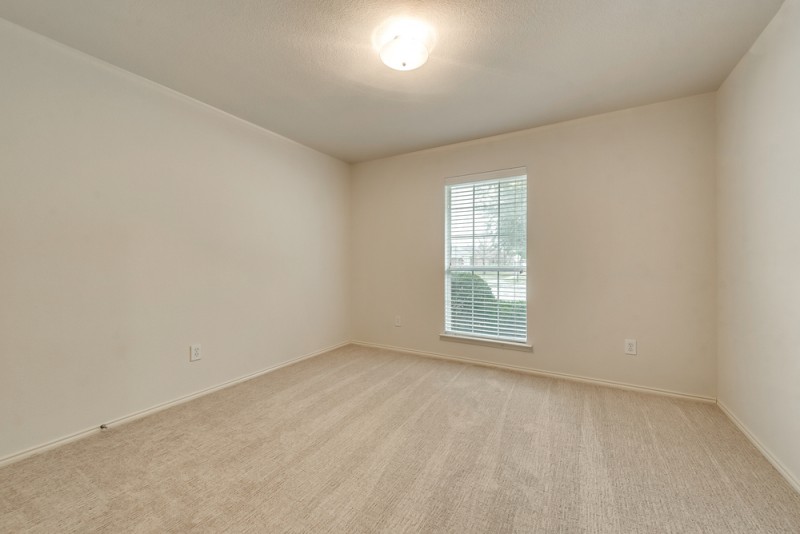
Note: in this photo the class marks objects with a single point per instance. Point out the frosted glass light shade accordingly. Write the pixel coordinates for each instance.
(404, 53)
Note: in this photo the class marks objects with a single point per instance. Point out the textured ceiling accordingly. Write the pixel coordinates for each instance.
(307, 69)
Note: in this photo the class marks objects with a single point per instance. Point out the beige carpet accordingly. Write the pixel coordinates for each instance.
(361, 440)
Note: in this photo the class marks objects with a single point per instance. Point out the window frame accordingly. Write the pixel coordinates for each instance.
(449, 334)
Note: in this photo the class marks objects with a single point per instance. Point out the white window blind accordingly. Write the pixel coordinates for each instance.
(486, 255)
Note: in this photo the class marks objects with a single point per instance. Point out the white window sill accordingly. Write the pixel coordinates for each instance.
(525, 347)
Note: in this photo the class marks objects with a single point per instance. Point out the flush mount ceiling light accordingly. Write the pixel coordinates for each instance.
(403, 44)
(404, 53)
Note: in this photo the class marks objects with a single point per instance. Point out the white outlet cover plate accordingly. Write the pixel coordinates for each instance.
(630, 346)
(195, 353)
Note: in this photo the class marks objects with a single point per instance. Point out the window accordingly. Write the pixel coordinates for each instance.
(486, 256)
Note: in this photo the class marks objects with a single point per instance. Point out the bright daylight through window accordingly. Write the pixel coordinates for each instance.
(486, 255)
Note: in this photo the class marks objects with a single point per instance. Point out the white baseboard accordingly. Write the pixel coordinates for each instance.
(539, 372)
(17, 456)
(157, 408)
(790, 478)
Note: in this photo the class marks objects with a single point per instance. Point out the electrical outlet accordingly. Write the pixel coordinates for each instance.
(194, 353)
(630, 346)
(398, 321)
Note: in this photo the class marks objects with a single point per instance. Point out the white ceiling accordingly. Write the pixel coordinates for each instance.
(307, 69)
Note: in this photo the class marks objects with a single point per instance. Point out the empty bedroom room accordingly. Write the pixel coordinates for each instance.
(425, 266)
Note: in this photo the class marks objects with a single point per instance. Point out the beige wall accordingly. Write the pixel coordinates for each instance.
(759, 240)
(621, 239)
(134, 222)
